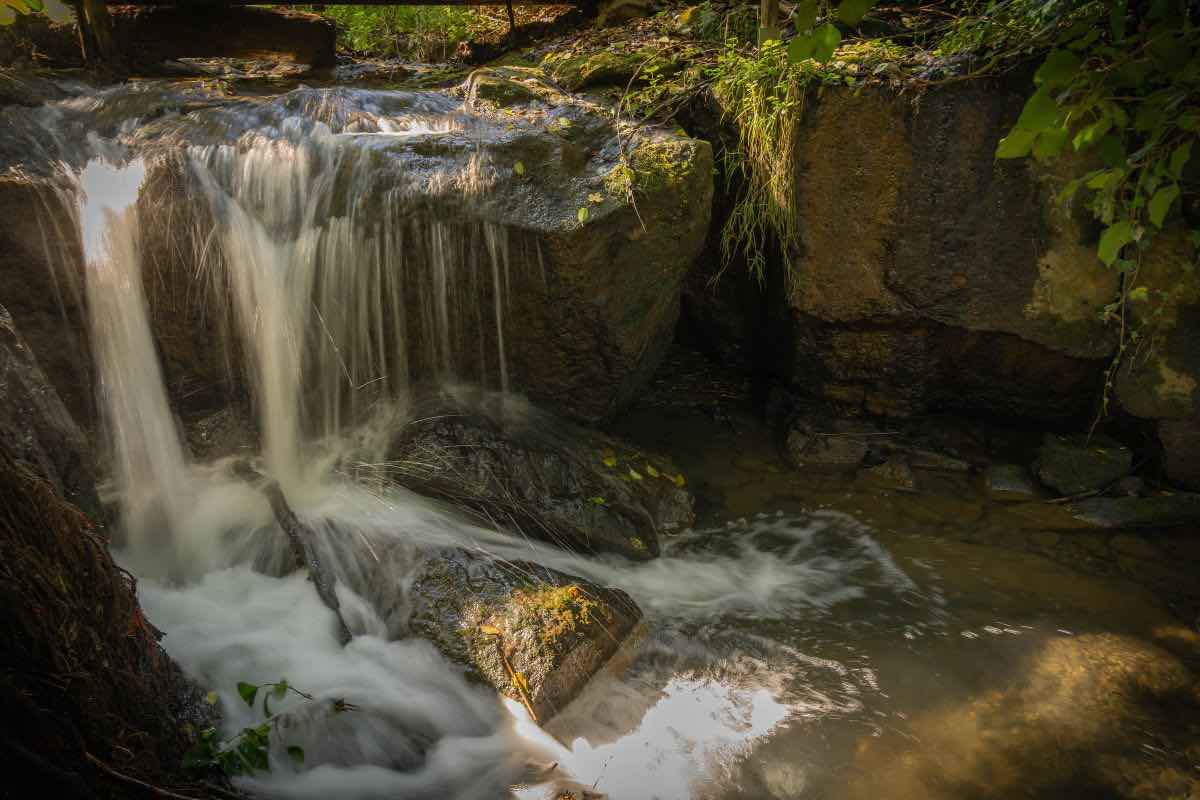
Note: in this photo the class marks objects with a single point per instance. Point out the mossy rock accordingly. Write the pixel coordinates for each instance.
(535, 634)
(606, 68)
(1079, 464)
(1164, 511)
(508, 86)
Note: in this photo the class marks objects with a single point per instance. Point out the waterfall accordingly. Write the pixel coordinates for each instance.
(149, 465)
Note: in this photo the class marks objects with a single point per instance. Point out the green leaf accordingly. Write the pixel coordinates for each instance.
(800, 48)
(1050, 143)
(1040, 112)
(519, 168)
(1058, 69)
(211, 698)
(1116, 20)
(1112, 150)
(280, 689)
(582, 215)
(1179, 159)
(851, 12)
(826, 40)
(805, 15)
(296, 754)
(1091, 134)
(248, 692)
(634, 474)
(7, 15)
(1161, 203)
(1017, 144)
(1113, 239)
(1139, 294)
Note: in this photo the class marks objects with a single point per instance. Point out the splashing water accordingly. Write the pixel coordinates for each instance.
(319, 266)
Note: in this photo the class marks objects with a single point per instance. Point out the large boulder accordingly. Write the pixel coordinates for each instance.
(931, 275)
(545, 478)
(549, 259)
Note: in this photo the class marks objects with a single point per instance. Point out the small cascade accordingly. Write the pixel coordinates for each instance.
(344, 281)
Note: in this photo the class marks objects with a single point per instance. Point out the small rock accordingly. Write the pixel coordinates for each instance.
(1164, 511)
(895, 473)
(824, 442)
(931, 459)
(1078, 464)
(1010, 483)
(1129, 486)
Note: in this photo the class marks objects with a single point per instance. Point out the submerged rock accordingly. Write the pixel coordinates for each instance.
(1078, 464)
(895, 473)
(824, 442)
(1163, 511)
(1011, 482)
(547, 479)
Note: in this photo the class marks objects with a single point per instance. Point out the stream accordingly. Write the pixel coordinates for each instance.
(809, 638)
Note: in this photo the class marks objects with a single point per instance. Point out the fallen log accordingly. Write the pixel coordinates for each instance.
(300, 538)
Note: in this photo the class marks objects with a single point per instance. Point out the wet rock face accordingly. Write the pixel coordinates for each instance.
(546, 479)
(1078, 464)
(37, 425)
(558, 243)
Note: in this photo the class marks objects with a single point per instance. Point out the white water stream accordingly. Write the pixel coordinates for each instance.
(318, 298)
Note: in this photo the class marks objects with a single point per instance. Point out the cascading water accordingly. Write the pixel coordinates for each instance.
(334, 267)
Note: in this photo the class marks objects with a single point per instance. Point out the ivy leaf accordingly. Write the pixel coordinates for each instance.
(1116, 20)
(1058, 69)
(1050, 143)
(1161, 203)
(800, 48)
(826, 38)
(1112, 150)
(1113, 239)
(1017, 144)
(1091, 134)
(851, 12)
(519, 168)
(1179, 159)
(1040, 112)
(248, 692)
(805, 15)
(296, 754)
